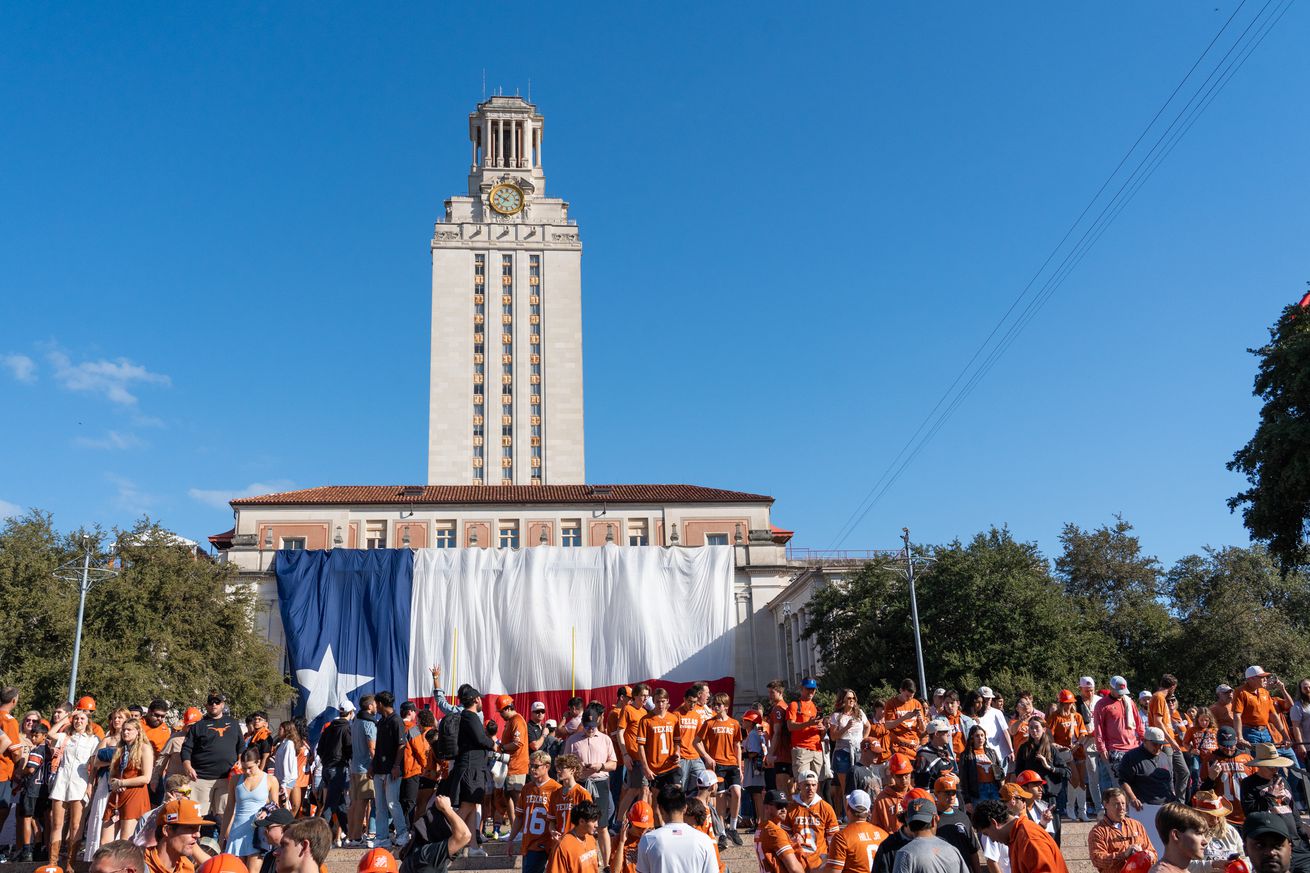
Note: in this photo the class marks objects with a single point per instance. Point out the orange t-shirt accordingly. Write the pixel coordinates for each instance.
(560, 809)
(534, 801)
(689, 722)
(854, 846)
(1067, 730)
(904, 737)
(957, 732)
(612, 717)
(630, 723)
(9, 725)
(771, 843)
(157, 736)
(810, 828)
(879, 741)
(805, 738)
(516, 730)
(1033, 850)
(155, 863)
(98, 731)
(1159, 714)
(658, 741)
(722, 739)
(414, 756)
(779, 736)
(1255, 708)
(887, 807)
(573, 855)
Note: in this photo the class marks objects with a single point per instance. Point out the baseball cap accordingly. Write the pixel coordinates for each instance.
(1011, 790)
(277, 818)
(378, 861)
(706, 779)
(1223, 688)
(986, 693)
(859, 801)
(810, 682)
(1254, 672)
(751, 715)
(641, 814)
(939, 692)
(920, 809)
(625, 691)
(807, 776)
(1118, 685)
(947, 782)
(774, 797)
(917, 792)
(504, 701)
(1065, 696)
(1143, 695)
(1087, 682)
(937, 725)
(551, 723)
(225, 862)
(1027, 777)
(589, 719)
(1154, 734)
(1227, 737)
(538, 706)
(51, 868)
(182, 812)
(899, 765)
(344, 705)
(1260, 823)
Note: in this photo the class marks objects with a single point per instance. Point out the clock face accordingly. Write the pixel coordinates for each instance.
(506, 199)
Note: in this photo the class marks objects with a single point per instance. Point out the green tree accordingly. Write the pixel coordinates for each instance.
(169, 625)
(1236, 609)
(1276, 461)
(1116, 589)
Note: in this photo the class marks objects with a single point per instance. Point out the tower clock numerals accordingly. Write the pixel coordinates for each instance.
(505, 198)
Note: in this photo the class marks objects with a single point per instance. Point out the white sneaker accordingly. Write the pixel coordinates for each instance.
(370, 844)
(476, 852)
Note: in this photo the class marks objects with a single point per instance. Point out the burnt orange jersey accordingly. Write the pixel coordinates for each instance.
(771, 843)
(9, 725)
(722, 739)
(1228, 774)
(689, 722)
(612, 716)
(658, 741)
(810, 827)
(630, 723)
(904, 737)
(573, 855)
(562, 801)
(878, 741)
(854, 846)
(534, 801)
(887, 808)
(1066, 730)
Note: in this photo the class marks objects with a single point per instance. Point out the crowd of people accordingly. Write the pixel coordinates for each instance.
(646, 784)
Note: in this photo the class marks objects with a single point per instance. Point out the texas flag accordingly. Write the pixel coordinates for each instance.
(541, 623)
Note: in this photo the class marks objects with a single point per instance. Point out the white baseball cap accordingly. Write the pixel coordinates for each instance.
(1087, 682)
(1223, 689)
(1143, 695)
(345, 705)
(938, 724)
(538, 706)
(859, 801)
(706, 779)
(1154, 734)
(986, 693)
(1119, 685)
(1255, 672)
(807, 776)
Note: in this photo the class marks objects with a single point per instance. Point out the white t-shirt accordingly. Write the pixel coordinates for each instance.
(994, 851)
(676, 848)
(998, 732)
(851, 727)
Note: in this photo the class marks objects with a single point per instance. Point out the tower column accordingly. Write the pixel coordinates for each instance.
(514, 141)
(529, 152)
(486, 142)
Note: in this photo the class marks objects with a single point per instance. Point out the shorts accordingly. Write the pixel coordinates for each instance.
(600, 795)
(6, 794)
(426, 784)
(535, 861)
(361, 787)
(672, 777)
(516, 782)
(728, 776)
(807, 759)
(841, 761)
(634, 778)
(34, 805)
(211, 797)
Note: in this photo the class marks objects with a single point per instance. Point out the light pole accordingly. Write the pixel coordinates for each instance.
(84, 579)
(914, 613)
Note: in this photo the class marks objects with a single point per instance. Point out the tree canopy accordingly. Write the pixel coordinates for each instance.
(169, 624)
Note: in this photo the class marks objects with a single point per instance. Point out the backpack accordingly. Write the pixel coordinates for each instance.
(447, 748)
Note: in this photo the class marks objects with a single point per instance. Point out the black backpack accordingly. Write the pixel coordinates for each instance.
(448, 737)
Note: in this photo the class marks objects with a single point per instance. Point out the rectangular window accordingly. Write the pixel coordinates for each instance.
(571, 532)
(445, 535)
(638, 532)
(719, 539)
(293, 542)
(509, 534)
(375, 534)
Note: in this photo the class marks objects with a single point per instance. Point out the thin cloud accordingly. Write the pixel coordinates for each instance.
(219, 497)
(111, 440)
(115, 380)
(21, 367)
(129, 497)
(9, 510)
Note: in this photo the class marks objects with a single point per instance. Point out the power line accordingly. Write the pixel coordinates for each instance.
(1146, 166)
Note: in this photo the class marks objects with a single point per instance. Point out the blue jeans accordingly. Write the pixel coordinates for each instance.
(386, 805)
(688, 768)
(989, 791)
(1256, 734)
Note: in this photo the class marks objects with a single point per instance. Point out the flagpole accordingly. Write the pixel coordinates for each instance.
(573, 663)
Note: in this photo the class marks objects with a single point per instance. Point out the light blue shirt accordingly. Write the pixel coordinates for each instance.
(363, 730)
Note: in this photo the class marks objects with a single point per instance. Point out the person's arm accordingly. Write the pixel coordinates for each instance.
(147, 767)
(642, 742)
(188, 745)
(611, 760)
(459, 831)
(1098, 730)
(699, 746)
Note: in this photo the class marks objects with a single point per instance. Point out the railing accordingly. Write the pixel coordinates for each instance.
(840, 556)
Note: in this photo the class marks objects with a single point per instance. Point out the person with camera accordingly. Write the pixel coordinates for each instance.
(805, 725)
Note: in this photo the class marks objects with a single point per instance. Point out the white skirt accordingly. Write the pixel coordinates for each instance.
(95, 816)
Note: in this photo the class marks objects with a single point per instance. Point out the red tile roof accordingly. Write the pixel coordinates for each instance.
(338, 495)
(223, 540)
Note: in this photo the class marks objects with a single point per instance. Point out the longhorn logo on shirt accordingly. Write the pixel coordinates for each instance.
(220, 730)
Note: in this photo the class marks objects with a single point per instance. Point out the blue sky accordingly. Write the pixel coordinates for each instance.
(796, 228)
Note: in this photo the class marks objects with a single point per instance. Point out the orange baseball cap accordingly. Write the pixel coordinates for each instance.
(751, 715)
(1011, 790)
(947, 782)
(504, 701)
(182, 811)
(899, 765)
(224, 863)
(378, 861)
(1066, 696)
(640, 814)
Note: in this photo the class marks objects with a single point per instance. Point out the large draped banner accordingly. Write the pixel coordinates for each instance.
(538, 624)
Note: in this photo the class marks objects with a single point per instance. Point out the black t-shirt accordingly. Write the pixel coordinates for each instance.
(534, 731)
(1150, 782)
(212, 746)
(885, 860)
(953, 827)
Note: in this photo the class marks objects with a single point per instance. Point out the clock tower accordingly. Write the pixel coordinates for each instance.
(505, 397)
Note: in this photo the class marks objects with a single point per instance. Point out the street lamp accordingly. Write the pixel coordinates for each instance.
(84, 579)
(914, 613)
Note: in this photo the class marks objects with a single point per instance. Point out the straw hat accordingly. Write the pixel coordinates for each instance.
(1211, 804)
(1265, 755)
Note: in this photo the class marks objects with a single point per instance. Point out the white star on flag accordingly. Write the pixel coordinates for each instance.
(326, 686)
